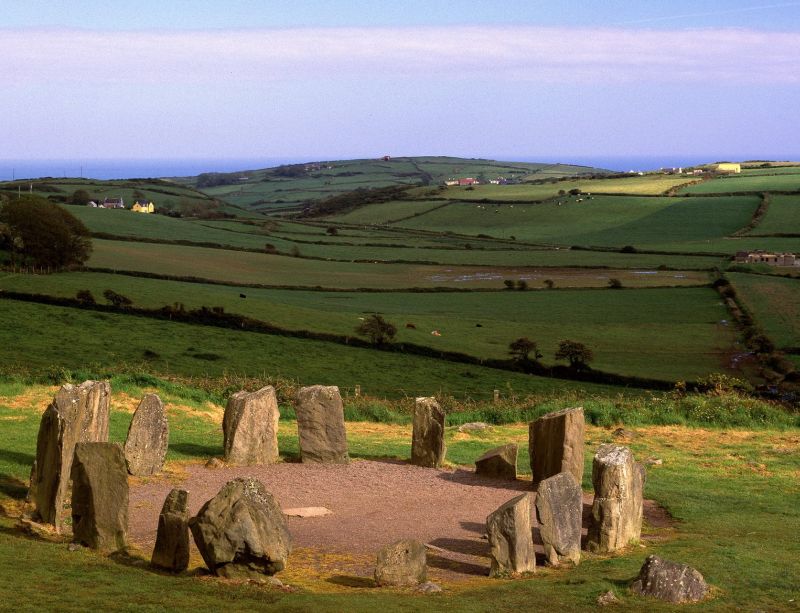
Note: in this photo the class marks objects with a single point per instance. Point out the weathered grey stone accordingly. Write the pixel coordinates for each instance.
(241, 532)
(320, 425)
(669, 581)
(172, 539)
(77, 414)
(427, 438)
(559, 507)
(607, 599)
(616, 518)
(511, 538)
(555, 444)
(401, 563)
(250, 427)
(498, 463)
(148, 437)
(99, 496)
(473, 426)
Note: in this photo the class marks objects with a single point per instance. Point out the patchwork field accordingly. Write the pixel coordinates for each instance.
(783, 216)
(775, 304)
(670, 333)
(745, 182)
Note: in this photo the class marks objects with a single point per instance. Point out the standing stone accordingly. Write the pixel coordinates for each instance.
(427, 439)
(320, 425)
(402, 563)
(99, 496)
(172, 539)
(669, 581)
(511, 538)
(250, 427)
(148, 437)
(241, 532)
(77, 414)
(617, 508)
(559, 507)
(555, 444)
(498, 463)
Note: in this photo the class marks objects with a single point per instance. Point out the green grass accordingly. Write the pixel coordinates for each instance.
(730, 492)
(783, 216)
(667, 333)
(603, 220)
(100, 342)
(774, 303)
(746, 182)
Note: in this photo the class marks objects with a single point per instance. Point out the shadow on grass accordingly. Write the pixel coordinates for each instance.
(457, 566)
(352, 581)
(13, 487)
(26, 459)
(193, 450)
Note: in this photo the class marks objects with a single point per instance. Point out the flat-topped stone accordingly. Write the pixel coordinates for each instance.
(555, 443)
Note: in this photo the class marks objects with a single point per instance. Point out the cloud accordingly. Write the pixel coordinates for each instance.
(595, 55)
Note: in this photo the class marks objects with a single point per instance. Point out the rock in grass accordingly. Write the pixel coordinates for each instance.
(498, 463)
(427, 438)
(401, 563)
(559, 507)
(607, 599)
(250, 427)
(320, 425)
(148, 437)
(669, 581)
(511, 538)
(99, 496)
(76, 414)
(616, 518)
(555, 443)
(172, 539)
(241, 532)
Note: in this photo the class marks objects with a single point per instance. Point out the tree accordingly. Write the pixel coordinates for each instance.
(574, 191)
(509, 283)
(85, 296)
(332, 231)
(614, 283)
(80, 197)
(41, 233)
(578, 354)
(549, 283)
(377, 329)
(522, 285)
(521, 349)
(118, 300)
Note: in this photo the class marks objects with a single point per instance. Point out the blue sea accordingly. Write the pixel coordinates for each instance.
(145, 169)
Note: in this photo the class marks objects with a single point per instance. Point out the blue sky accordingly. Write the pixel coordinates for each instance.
(517, 79)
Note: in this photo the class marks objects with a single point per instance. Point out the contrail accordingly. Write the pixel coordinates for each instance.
(711, 13)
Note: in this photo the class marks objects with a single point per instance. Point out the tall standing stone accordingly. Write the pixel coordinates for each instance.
(617, 508)
(241, 532)
(427, 438)
(555, 444)
(559, 508)
(401, 563)
(100, 496)
(250, 427)
(148, 437)
(498, 463)
(511, 538)
(172, 539)
(320, 425)
(76, 414)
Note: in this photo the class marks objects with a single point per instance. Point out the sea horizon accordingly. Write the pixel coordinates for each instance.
(121, 168)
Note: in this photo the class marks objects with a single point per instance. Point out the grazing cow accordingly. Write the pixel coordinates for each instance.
(411, 326)
(436, 333)
(242, 296)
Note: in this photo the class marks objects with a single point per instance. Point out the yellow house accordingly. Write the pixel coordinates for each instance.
(143, 206)
(727, 167)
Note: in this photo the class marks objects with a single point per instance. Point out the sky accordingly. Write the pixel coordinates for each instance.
(521, 79)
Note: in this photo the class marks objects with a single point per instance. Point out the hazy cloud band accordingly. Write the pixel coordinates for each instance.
(734, 56)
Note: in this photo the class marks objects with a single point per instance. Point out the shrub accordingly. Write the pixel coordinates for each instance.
(377, 329)
(85, 296)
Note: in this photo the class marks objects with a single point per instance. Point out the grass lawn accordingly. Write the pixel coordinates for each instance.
(731, 493)
(746, 182)
(666, 333)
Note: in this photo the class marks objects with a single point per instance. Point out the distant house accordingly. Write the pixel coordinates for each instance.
(451, 182)
(143, 206)
(760, 256)
(113, 203)
(727, 167)
(468, 181)
(92, 204)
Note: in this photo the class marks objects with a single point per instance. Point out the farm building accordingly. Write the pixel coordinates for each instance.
(143, 206)
(113, 203)
(463, 181)
(727, 167)
(763, 257)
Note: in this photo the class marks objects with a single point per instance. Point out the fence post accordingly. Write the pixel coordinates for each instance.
(357, 391)
(496, 397)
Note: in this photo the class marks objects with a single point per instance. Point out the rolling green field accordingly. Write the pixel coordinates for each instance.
(603, 220)
(256, 268)
(58, 338)
(746, 183)
(670, 333)
(783, 216)
(775, 304)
